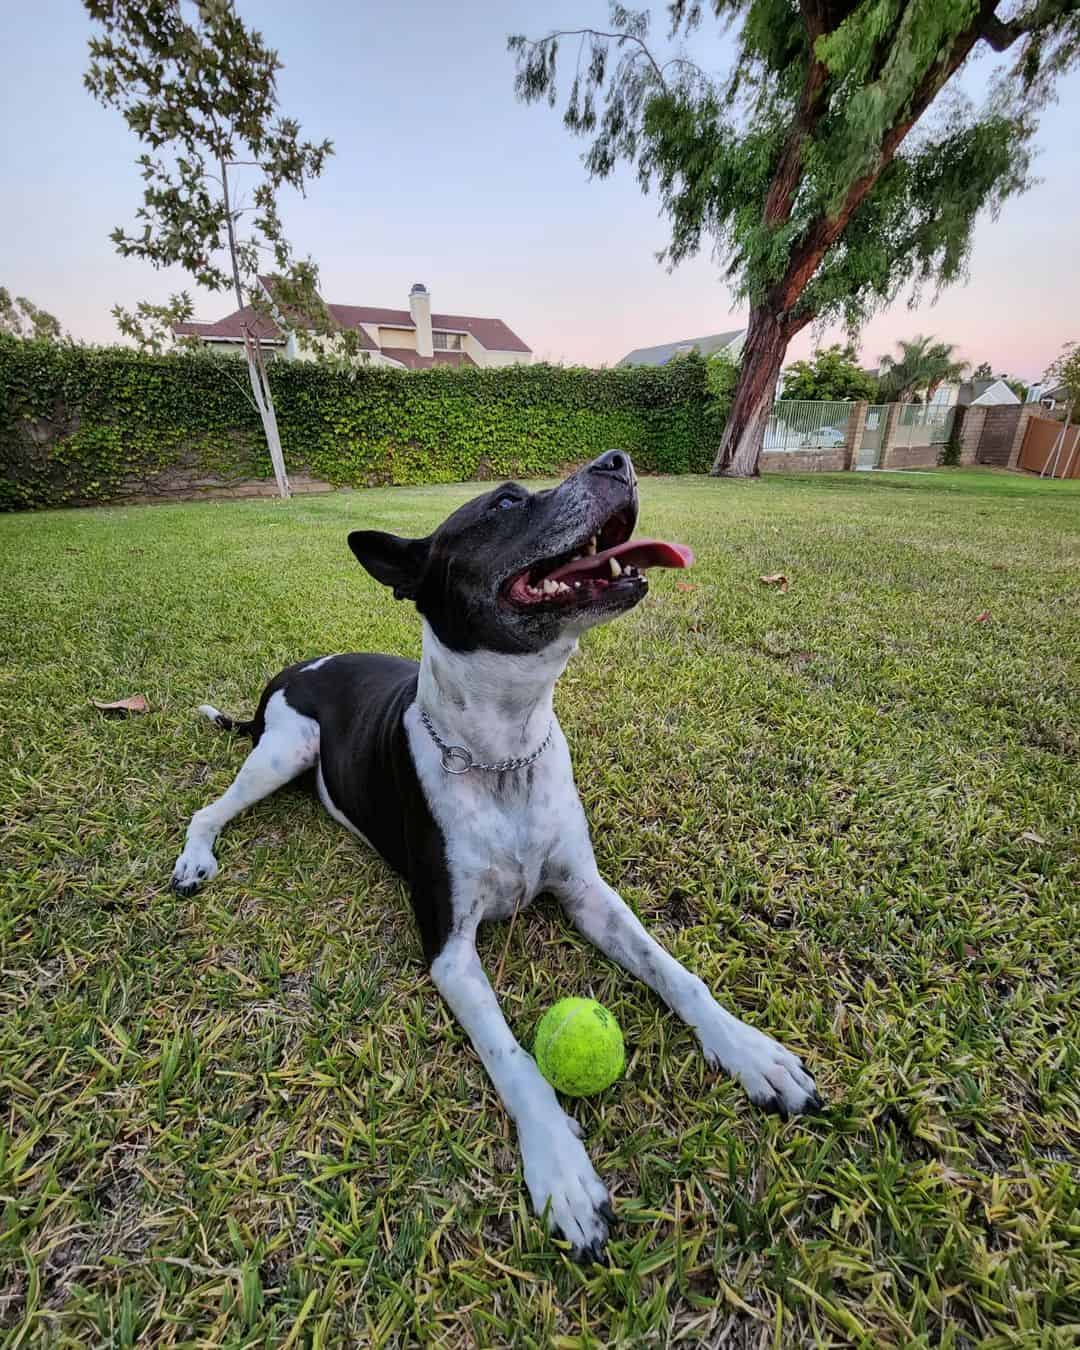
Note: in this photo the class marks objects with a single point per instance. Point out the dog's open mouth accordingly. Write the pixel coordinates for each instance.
(608, 559)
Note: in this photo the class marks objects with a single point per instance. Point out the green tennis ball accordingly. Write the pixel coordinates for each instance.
(579, 1047)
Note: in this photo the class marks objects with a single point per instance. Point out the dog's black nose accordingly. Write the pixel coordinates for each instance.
(616, 463)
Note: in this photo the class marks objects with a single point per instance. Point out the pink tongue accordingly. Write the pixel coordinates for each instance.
(634, 553)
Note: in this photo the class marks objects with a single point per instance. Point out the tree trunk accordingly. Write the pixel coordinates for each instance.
(260, 385)
(762, 356)
(264, 403)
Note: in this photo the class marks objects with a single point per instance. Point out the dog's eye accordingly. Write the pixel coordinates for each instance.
(507, 500)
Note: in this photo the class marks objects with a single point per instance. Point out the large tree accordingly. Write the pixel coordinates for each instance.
(921, 364)
(799, 166)
(199, 89)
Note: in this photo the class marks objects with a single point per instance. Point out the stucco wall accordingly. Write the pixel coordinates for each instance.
(487, 358)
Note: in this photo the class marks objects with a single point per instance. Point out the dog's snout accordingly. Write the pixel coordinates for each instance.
(615, 464)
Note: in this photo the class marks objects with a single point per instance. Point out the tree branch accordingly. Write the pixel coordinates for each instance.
(781, 194)
(998, 35)
(683, 61)
(824, 232)
(1001, 34)
(617, 38)
(233, 380)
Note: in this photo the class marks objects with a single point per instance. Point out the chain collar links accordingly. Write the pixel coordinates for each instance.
(456, 759)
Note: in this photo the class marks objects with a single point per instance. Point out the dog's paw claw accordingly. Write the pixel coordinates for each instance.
(773, 1106)
(773, 1077)
(565, 1188)
(194, 867)
(595, 1254)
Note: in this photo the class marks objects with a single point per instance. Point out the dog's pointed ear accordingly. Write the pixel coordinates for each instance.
(397, 563)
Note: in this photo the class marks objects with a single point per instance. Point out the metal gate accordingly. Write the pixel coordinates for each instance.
(802, 424)
(873, 434)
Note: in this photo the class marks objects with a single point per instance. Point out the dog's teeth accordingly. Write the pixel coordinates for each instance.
(564, 589)
(577, 585)
(616, 570)
(550, 587)
(590, 547)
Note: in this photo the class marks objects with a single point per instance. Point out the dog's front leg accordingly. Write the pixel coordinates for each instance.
(557, 1168)
(773, 1077)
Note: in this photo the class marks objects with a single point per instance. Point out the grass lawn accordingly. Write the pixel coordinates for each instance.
(247, 1118)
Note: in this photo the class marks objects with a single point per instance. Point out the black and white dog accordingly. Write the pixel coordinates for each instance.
(457, 772)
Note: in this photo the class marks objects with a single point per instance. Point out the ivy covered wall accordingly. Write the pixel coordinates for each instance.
(94, 424)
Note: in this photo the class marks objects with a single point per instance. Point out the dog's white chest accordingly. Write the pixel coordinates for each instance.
(499, 829)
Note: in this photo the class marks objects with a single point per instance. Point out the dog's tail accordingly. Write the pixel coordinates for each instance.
(223, 721)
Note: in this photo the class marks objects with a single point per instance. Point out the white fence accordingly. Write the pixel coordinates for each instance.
(797, 424)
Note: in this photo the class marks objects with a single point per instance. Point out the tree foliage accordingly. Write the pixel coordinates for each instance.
(20, 317)
(832, 374)
(1065, 370)
(201, 95)
(798, 167)
(921, 364)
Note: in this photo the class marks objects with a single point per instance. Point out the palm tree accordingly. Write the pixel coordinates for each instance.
(921, 366)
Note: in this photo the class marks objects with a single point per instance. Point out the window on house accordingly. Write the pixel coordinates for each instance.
(446, 342)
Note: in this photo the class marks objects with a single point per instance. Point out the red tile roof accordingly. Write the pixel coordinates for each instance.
(490, 333)
(231, 328)
(414, 361)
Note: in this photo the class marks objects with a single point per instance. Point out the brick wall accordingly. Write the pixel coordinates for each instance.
(971, 430)
(804, 461)
(911, 457)
(1018, 436)
(854, 433)
(999, 432)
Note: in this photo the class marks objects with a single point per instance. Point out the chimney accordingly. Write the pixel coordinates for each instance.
(420, 309)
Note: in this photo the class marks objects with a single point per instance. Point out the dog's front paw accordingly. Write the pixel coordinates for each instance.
(561, 1180)
(194, 868)
(773, 1077)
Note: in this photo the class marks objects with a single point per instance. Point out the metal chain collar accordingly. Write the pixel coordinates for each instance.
(456, 759)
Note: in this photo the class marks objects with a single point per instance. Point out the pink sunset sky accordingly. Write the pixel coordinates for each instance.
(441, 176)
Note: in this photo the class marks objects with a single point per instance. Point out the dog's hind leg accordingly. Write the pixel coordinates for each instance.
(288, 746)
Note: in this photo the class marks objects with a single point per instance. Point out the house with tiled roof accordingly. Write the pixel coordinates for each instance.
(409, 339)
